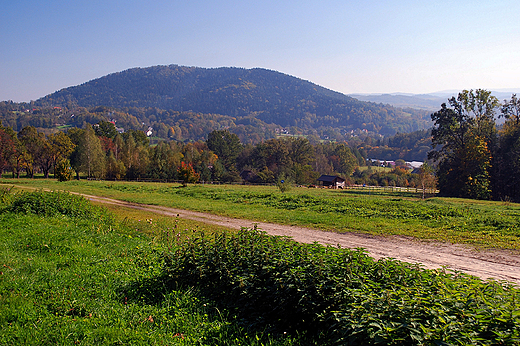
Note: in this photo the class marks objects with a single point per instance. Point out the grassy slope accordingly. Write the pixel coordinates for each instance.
(82, 280)
(480, 223)
(66, 280)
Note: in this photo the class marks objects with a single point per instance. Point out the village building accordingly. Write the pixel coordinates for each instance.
(332, 181)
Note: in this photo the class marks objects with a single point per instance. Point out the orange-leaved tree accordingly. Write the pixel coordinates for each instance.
(187, 174)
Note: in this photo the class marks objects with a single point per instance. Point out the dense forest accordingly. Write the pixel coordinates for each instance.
(162, 125)
(166, 94)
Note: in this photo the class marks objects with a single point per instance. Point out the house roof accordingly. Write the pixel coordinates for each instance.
(330, 178)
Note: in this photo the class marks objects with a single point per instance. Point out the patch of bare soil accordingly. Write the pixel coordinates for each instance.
(486, 264)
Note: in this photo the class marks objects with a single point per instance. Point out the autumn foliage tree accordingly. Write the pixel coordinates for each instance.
(187, 174)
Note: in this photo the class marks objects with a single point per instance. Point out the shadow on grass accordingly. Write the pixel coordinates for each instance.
(233, 327)
(150, 291)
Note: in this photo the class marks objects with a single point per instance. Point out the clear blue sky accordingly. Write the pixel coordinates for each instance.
(350, 46)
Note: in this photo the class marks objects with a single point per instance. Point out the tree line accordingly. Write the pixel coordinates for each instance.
(100, 152)
(190, 126)
(474, 157)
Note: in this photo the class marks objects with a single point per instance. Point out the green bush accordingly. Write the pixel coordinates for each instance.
(56, 203)
(276, 284)
(6, 196)
(63, 171)
(283, 184)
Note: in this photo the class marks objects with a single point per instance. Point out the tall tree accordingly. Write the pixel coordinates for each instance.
(159, 162)
(32, 140)
(12, 150)
(91, 155)
(76, 136)
(507, 184)
(7, 149)
(21, 159)
(61, 146)
(45, 156)
(464, 138)
(118, 146)
(345, 162)
(114, 169)
(226, 146)
(301, 151)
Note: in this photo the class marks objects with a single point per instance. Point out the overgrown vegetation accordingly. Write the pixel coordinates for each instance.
(57, 203)
(342, 296)
(67, 277)
(72, 274)
(479, 223)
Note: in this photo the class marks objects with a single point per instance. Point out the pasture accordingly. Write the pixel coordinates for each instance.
(74, 273)
(483, 224)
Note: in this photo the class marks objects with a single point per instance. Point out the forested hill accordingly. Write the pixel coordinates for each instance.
(269, 96)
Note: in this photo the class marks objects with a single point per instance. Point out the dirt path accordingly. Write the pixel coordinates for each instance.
(496, 264)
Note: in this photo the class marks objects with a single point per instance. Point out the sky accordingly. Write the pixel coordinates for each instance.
(349, 46)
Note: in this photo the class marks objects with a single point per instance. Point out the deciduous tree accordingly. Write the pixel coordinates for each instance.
(507, 184)
(91, 155)
(226, 146)
(32, 141)
(7, 149)
(187, 174)
(464, 138)
(61, 146)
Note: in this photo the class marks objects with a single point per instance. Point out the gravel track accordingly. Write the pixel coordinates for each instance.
(486, 264)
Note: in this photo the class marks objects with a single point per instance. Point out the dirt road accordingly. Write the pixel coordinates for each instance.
(496, 264)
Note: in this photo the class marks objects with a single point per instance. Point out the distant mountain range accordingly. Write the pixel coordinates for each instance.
(430, 102)
(256, 94)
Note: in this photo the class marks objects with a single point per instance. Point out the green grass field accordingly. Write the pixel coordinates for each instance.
(72, 273)
(484, 224)
(70, 279)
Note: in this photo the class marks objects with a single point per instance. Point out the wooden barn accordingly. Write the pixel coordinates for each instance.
(332, 181)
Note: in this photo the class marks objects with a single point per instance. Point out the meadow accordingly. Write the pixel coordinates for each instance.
(69, 272)
(483, 224)
(75, 273)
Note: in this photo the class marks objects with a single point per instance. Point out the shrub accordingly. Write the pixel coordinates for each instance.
(187, 174)
(57, 203)
(283, 184)
(346, 297)
(63, 171)
(6, 197)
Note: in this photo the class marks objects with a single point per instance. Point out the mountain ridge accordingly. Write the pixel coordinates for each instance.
(270, 96)
(429, 101)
